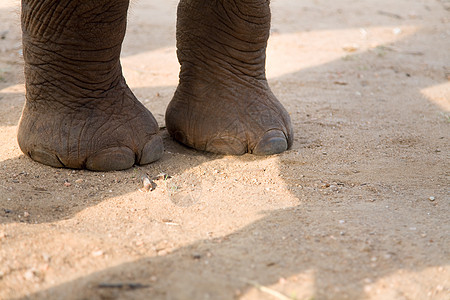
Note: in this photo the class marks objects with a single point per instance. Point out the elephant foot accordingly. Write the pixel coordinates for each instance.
(79, 111)
(223, 103)
(107, 134)
(229, 119)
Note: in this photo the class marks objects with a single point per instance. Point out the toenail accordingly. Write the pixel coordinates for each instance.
(111, 159)
(226, 145)
(46, 158)
(152, 151)
(273, 142)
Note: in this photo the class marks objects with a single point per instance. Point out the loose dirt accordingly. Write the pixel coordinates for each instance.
(359, 208)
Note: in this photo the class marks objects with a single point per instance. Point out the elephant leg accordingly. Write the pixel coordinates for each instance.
(223, 103)
(79, 111)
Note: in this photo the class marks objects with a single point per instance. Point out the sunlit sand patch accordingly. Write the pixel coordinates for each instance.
(292, 52)
(11, 103)
(439, 95)
(144, 69)
(14, 89)
(299, 286)
(429, 283)
(9, 148)
(286, 53)
(193, 190)
(9, 4)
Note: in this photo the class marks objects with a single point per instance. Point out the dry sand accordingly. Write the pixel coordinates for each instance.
(357, 209)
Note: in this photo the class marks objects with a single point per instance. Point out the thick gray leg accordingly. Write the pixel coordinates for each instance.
(223, 103)
(79, 111)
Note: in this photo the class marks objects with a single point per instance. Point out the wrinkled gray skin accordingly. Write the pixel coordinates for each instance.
(80, 113)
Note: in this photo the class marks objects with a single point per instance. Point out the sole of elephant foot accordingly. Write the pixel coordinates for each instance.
(223, 121)
(121, 158)
(106, 138)
(112, 159)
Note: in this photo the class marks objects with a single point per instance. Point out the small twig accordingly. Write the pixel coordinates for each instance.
(267, 290)
(395, 49)
(171, 224)
(27, 190)
(389, 14)
(128, 286)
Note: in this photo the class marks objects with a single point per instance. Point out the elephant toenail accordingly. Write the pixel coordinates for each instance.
(273, 142)
(117, 158)
(226, 145)
(46, 158)
(152, 151)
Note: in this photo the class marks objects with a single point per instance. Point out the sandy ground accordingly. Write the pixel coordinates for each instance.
(359, 208)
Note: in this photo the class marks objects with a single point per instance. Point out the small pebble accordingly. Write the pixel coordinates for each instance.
(3, 34)
(351, 47)
(46, 257)
(363, 32)
(30, 274)
(162, 252)
(97, 253)
(196, 256)
(397, 31)
(147, 184)
(431, 198)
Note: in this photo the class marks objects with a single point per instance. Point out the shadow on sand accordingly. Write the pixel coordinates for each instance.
(281, 244)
